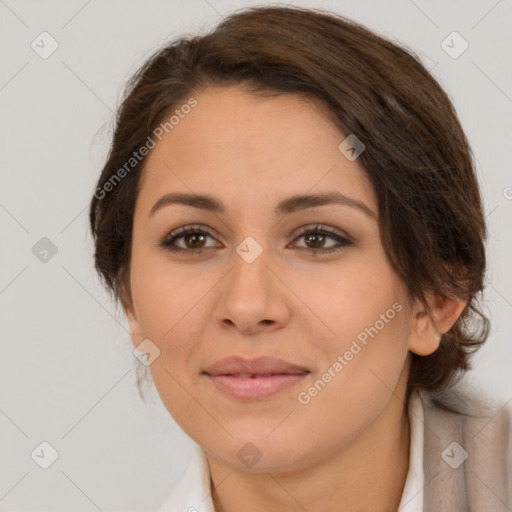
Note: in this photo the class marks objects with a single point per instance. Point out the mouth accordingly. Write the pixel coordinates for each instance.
(242, 378)
(251, 386)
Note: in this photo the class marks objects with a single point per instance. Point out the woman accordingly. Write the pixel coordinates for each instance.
(290, 217)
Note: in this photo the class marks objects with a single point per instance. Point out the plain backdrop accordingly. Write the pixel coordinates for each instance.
(67, 370)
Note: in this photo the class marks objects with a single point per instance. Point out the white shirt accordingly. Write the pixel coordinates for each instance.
(192, 492)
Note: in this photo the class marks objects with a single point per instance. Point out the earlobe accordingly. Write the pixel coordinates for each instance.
(431, 322)
(424, 338)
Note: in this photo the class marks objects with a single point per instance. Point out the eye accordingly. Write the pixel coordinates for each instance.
(317, 236)
(192, 237)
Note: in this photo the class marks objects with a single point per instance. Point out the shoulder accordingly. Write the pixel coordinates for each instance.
(468, 409)
(466, 400)
(467, 449)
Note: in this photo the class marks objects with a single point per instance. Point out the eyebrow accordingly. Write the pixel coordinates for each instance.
(286, 206)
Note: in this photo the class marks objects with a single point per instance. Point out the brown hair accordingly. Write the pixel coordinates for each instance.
(417, 156)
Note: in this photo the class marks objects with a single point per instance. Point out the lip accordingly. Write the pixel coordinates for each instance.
(254, 378)
(236, 365)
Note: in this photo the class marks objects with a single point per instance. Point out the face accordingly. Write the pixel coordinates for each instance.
(305, 281)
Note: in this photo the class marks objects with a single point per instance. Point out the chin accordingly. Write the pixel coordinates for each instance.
(257, 454)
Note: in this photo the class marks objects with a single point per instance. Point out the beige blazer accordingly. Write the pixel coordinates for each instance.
(467, 454)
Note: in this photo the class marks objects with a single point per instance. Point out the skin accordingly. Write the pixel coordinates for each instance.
(348, 448)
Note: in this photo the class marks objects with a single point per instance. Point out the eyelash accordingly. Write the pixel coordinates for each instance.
(179, 233)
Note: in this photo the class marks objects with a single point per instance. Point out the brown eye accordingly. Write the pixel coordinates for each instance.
(316, 239)
(193, 240)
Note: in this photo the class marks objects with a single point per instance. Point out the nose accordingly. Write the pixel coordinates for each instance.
(253, 296)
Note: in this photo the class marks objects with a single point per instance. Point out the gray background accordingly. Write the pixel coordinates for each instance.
(67, 373)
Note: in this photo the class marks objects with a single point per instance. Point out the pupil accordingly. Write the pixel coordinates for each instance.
(316, 239)
(193, 238)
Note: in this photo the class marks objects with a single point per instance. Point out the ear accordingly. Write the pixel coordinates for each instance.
(431, 322)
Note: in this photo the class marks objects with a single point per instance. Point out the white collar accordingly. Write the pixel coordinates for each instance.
(192, 492)
(412, 495)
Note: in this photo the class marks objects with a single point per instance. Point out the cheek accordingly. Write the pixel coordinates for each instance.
(170, 307)
(361, 364)
(362, 327)
(368, 351)
(344, 300)
(171, 314)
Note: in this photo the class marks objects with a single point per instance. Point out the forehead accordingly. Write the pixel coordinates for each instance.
(243, 147)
